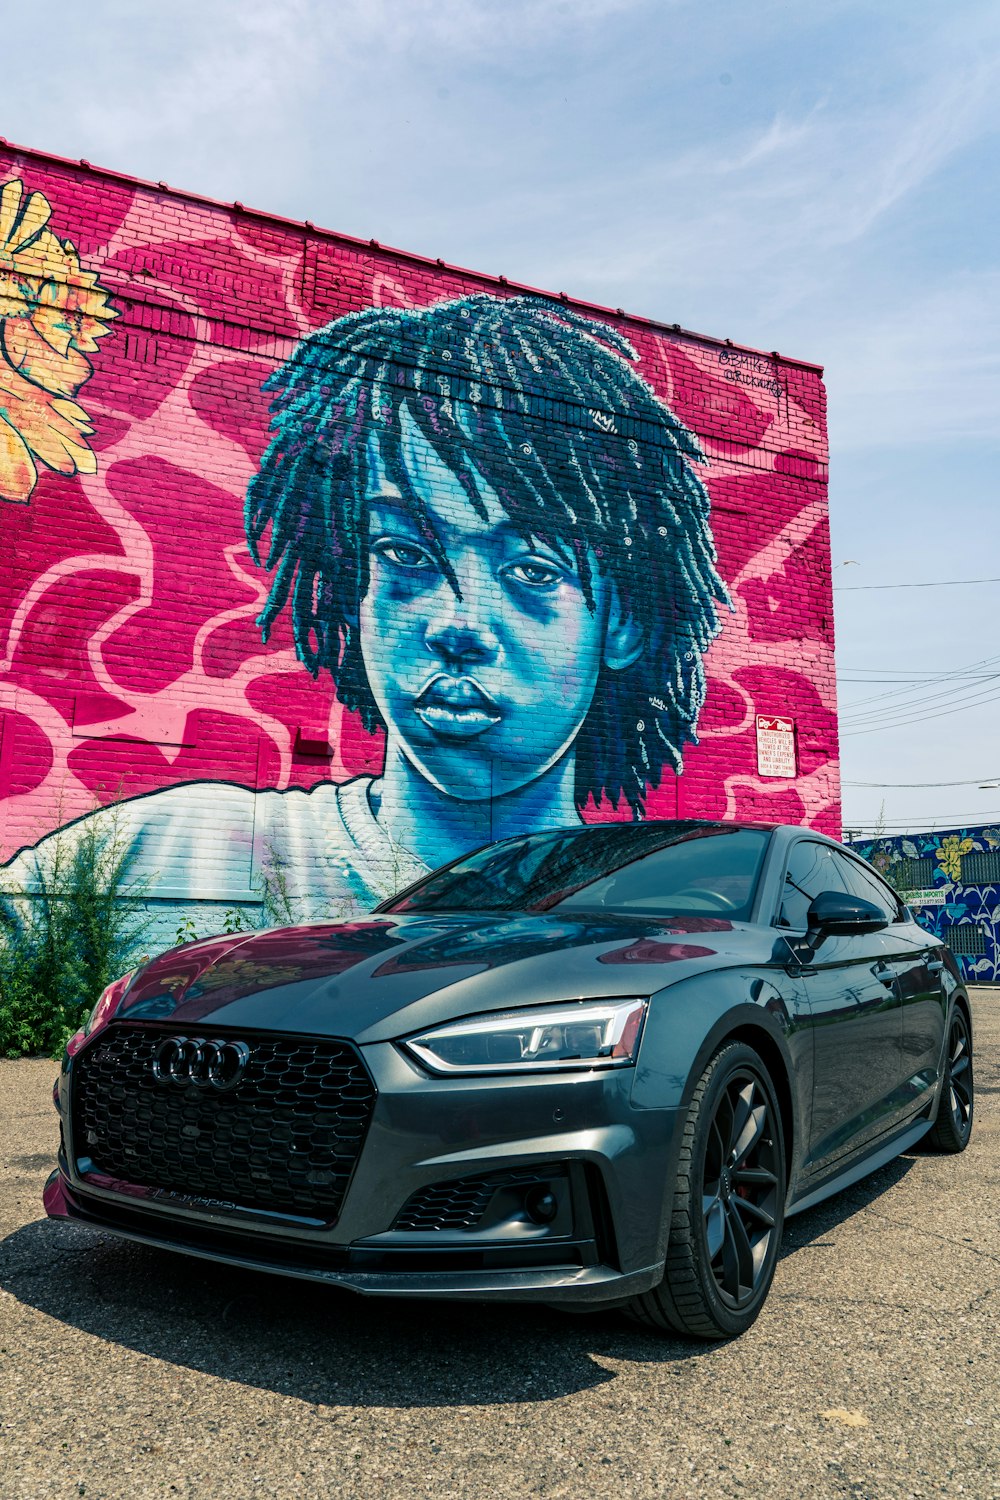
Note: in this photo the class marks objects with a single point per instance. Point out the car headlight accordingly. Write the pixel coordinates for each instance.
(108, 1003)
(584, 1034)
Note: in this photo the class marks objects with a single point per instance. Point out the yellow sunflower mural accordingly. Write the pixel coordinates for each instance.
(52, 312)
(950, 855)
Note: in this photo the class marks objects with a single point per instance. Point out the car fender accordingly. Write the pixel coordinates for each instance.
(686, 1025)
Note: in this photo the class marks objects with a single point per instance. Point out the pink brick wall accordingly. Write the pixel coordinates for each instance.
(130, 657)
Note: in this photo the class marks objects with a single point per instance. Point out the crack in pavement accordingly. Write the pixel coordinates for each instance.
(932, 1234)
(840, 1301)
(837, 1300)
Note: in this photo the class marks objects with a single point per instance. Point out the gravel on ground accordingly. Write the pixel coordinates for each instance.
(872, 1373)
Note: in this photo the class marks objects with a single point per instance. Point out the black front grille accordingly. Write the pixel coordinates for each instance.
(462, 1203)
(285, 1139)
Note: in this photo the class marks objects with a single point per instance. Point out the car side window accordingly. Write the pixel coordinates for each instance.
(861, 881)
(811, 868)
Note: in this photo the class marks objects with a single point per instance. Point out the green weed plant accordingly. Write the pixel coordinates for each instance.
(62, 945)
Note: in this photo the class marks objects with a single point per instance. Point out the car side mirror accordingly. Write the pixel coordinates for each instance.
(837, 914)
(832, 914)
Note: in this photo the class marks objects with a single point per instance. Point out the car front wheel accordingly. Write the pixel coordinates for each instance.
(728, 1206)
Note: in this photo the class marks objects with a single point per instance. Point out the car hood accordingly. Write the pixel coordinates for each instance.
(384, 976)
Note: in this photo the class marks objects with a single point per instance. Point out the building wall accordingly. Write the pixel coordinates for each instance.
(140, 327)
(951, 881)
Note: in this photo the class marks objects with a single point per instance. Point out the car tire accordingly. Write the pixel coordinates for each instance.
(728, 1204)
(952, 1128)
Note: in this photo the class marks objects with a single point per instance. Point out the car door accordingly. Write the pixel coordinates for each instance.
(925, 1013)
(854, 1014)
(919, 966)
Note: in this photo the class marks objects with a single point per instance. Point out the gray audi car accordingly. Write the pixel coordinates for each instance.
(594, 1067)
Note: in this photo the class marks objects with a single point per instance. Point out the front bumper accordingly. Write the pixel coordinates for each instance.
(606, 1244)
(597, 1285)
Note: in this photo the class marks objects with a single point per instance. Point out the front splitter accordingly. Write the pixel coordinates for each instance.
(588, 1285)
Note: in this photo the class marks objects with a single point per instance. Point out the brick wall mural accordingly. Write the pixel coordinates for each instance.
(323, 563)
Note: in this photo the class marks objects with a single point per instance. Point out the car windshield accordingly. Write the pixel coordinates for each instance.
(651, 869)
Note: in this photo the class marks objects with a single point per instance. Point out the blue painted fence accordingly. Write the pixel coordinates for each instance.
(951, 881)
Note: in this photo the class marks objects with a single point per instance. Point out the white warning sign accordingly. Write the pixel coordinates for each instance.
(775, 746)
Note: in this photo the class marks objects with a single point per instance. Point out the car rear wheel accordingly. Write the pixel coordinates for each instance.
(952, 1129)
(728, 1207)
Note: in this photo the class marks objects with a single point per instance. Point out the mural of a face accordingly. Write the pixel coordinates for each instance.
(491, 532)
(485, 678)
(416, 561)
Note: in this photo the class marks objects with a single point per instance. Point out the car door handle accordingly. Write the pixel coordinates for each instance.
(885, 974)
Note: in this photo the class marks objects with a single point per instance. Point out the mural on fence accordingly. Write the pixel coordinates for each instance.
(951, 880)
(350, 566)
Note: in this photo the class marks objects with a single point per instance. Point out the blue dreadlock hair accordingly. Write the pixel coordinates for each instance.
(544, 407)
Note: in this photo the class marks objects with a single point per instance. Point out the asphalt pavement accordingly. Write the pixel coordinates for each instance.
(873, 1372)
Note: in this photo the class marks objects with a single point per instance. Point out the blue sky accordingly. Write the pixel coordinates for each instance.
(819, 179)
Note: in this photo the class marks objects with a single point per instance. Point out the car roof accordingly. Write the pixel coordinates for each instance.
(759, 826)
(703, 823)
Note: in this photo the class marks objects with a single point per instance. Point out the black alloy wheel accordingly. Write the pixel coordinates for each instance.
(728, 1205)
(740, 1188)
(952, 1129)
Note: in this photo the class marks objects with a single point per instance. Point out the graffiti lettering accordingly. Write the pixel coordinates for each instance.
(753, 370)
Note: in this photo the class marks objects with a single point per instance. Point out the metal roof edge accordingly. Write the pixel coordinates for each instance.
(636, 319)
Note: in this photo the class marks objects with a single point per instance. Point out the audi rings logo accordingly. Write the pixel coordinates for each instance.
(192, 1061)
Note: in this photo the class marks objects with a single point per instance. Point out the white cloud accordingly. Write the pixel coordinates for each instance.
(211, 61)
(926, 370)
(461, 27)
(773, 201)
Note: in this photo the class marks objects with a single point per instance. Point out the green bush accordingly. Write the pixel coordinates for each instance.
(60, 946)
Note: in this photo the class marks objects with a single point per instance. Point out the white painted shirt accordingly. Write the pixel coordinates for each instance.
(208, 846)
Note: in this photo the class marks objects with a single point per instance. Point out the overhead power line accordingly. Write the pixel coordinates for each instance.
(957, 674)
(950, 698)
(920, 824)
(912, 696)
(936, 583)
(900, 671)
(913, 711)
(922, 718)
(896, 786)
(914, 682)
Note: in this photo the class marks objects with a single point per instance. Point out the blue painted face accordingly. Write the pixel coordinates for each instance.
(485, 692)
